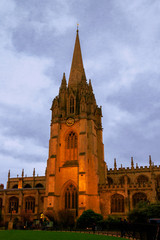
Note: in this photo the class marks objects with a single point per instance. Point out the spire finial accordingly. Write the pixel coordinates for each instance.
(77, 27)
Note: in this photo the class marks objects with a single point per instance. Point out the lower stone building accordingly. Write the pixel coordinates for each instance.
(77, 177)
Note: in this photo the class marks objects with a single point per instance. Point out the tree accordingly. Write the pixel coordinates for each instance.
(26, 217)
(51, 215)
(88, 219)
(144, 211)
(0, 216)
(66, 219)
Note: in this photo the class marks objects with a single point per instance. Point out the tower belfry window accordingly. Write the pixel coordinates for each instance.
(71, 105)
(71, 146)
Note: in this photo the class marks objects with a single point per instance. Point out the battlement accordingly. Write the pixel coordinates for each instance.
(136, 186)
(124, 170)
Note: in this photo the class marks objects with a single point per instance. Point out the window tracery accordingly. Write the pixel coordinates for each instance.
(13, 205)
(30, 204)
(117, 203)
(71, 146)
(71, 197)
(138, 197)
(122, 180)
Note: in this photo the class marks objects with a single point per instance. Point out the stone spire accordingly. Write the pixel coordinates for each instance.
(77, 70)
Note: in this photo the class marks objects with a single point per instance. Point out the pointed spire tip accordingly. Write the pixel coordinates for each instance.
(77, 27)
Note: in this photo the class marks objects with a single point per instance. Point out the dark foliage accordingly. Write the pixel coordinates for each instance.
(0, 217)
(88, 219)
(144, 211)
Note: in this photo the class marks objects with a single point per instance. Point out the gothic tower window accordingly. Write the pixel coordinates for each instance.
(30, 204)
(0, 203)
(138, 197)
(13, 205)
(71, 198)
(71, 105)
(117, 203)
(71, 146)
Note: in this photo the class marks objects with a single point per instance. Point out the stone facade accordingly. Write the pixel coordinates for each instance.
(77, 178)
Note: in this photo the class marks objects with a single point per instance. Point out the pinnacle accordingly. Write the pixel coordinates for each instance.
(90, 85)
(63, 83)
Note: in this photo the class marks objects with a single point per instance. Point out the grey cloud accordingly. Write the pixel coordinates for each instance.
(120, 48)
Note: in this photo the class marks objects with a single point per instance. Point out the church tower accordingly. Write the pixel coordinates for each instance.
(75, 166)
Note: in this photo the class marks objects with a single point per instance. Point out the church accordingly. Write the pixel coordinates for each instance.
(77, 177)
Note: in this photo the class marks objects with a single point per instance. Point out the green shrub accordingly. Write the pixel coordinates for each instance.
(88, 219)
(144, 211)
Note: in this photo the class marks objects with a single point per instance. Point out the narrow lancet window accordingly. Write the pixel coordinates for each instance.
(71, 146)
(71, 105)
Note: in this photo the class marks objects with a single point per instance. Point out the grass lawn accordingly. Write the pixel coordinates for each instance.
(46, 235)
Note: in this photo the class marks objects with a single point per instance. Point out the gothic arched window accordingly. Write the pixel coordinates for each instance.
(30, 204)
(121, 180)
(71, 105)
(15, 186)
(117, 203)
(0, 203)
(110, 180)
(138, 197)
(39, 185)
(71, 197)
(71, 146)
(13, 205)
(27, 186)
(142, 179)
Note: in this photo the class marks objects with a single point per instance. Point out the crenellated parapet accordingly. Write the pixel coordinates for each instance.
(134, 169)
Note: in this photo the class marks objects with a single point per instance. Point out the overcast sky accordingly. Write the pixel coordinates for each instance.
(120, 42)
